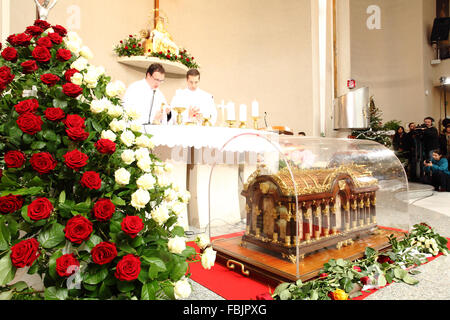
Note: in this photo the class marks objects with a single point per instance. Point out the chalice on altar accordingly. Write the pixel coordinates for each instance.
(179, 111)
(206, 120)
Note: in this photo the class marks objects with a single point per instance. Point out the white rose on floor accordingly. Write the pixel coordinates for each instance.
(127, 137)
(208, 258)
(146, 181)
(77, 79)
(128, 156)
(202, 240)
(145, 164)
(142, 153)
(86, 52)
(80, 64)
(160, 214)
(122, 176)
(143, 141)
(108, 134)
(140, 198)
(182, 289)
(177, 244)
(115, 111)
(136, 127)
(118, 125)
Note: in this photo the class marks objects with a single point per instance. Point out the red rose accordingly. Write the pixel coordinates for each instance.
(105, 146)
(91, 180)
(103, 209)
(25, 253)
(50, 79)
(22, 39)
(69, 73)
(9, 54)
(365, 280)
(41, 54)
(74, 121)
(75, 159)
(323, 275)
(357, 269)
(34, 30)
(12, 40)
(72, 90)
(67, 264)
(54, 114)
(14, 159)
(29, 123)
(78, 229)
(383, 259)
(40, 209)
(77, 134)
(128, 268)
(126, 48)
(45, 42)
(60, 30)
(43, 162)
(29, 66)
(6, 75)
(63, 55)
(55, 38)
(44, 25)
(27, 106)
(264, 296)
(131, 225)
(10, 203)
(104, 253)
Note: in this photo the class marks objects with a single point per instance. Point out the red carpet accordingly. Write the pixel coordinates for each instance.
(232, 285)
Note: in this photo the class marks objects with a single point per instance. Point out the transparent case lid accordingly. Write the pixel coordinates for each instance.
(282, 206)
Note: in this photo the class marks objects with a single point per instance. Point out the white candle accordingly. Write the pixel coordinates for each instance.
(255, 109)
(230, 111)
(243, 112)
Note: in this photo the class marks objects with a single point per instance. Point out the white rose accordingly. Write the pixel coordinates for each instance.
(143, 141)
(136, 127)
(159, 170)
(115, 111)
(208, 258)
(127, 137)
(170, 194)
(164, 180)
(77, 79)
(115, 89)
(145, 164)
(146, 181)
(140, 198)
(73, 46)
(202, 241)
(120, 87)
(80, 64)
(168, 167)
(90, 79)
(117, 125)
(108, 134)
(128, 156)
(177, 244)
(133, 112)
(142, 153)
(86, 52)
(73, 36)
(182, 289)
(160, 214)
(185, 196)
(122, 176)
(97, 106)
(178, 208)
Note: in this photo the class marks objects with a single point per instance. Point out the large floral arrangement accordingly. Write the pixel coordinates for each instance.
(83, 202)
(341, 279)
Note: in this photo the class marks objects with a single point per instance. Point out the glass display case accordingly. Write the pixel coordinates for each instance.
(302, 201)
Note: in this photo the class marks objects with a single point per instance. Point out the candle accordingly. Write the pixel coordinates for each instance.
(255, 109)
(243, 113)
(230, 111)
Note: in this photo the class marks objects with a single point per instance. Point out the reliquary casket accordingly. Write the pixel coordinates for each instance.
(335, 206)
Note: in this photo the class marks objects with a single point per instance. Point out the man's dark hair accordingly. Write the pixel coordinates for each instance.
(409, 124)
(155, 67)
(193, 72)
(429, 118)
(438, 151)
(301, 133)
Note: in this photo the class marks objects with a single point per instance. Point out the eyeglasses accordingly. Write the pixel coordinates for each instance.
(157, 80)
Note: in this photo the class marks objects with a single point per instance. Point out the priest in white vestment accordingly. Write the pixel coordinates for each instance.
(198, 103)
(145, 100)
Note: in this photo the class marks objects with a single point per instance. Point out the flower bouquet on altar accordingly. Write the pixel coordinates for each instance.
(83, 203)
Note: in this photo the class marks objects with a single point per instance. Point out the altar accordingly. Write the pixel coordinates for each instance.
(194, 151)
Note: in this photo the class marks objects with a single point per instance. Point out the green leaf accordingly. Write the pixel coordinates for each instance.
(285, 295)
(156, 266)
(399, 273)
(53, 293)
(19, 286)
(93, 241)
(382, 280)
(125, 286)
(50, 135)
(104, 292)
(118, 201)
(7, 270)
(15, 132)
(95, 276)
(148, 291)
(52, 264)
(281, 287)
(179, 270)
(5, 236)
(52, 237)
(410, 280)
(57, 103)
(7, 295)
(178, 231)
(38, 145)
(62, 197)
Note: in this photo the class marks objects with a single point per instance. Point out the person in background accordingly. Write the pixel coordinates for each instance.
(411, 148)
(435, 168)
(444, 141)
(301, 133)
(147, 99)
(199, 104)
(430, 137)
(399, 141)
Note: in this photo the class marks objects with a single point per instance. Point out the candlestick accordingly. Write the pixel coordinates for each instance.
(255, 108)
(255, 122)
(231, 123)
(242, 124)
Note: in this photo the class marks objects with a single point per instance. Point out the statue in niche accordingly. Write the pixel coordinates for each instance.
(161, 39)
(44, 8)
